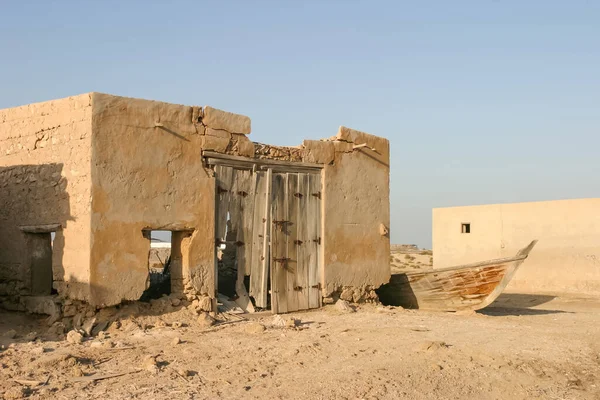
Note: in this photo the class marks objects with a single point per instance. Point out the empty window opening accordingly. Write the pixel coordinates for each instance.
(465, 228)
(159, 263)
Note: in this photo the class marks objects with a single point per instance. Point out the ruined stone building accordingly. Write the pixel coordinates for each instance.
(85, 180)
(565, 260)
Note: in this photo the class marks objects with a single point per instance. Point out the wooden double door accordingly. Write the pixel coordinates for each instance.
(276, 218)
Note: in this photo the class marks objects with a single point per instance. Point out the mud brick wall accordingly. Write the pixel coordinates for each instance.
(45, 179)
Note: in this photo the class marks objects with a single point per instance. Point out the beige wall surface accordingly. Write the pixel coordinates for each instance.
(566, 258)
(107, 168)
(45, 156)
(147, 173)
(356, 213)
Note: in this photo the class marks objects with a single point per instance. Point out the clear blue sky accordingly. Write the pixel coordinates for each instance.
(483, 101)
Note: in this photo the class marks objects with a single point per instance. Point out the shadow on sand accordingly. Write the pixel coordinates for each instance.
(520, 304)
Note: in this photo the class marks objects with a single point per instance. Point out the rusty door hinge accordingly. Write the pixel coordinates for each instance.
(298, 195)
(281, 260)
(298, 288)
(317, 195)
(221, 190)
(317, 240)
(239, 243)
(280, 222)
(298, 242)
(242, 193)
(317, 286)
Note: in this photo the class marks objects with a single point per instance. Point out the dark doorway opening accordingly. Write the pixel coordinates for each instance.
(159, 263)
(39, 240)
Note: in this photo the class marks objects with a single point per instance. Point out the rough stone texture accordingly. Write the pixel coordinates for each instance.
(230, 122)
(242, 146)
(45, 155)
(217, 133)
(320, 152)
(215, 143)
(565, 260)
(266, 151)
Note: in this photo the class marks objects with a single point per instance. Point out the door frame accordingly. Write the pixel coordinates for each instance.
(212, 159)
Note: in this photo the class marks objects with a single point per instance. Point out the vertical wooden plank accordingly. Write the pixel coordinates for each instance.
(259, 222)
(314, 230)
(304, 242)
(245, 219)
(266, 250)
(279, 245)
(242, 224)
(290, 230)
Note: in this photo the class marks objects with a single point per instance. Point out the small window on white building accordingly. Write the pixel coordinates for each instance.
(465, 228)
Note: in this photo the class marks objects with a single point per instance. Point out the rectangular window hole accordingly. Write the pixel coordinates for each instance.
(465, 228)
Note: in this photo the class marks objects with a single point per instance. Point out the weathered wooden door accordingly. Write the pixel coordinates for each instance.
(277, 217)
(295, 242)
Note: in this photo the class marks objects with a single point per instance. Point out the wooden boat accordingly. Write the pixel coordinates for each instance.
(464, 287)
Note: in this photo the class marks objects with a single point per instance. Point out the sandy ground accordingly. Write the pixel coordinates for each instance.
(523, 347)
(405, 260)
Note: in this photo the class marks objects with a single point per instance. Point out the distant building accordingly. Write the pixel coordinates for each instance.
(566, 258)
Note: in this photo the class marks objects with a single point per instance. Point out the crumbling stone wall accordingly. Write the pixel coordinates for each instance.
(45, 179)
(131, 165)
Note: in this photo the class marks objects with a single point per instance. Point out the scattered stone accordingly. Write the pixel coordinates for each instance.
(283, 322)
(77, 371)
(436, 367)
(74, 337)
(184, 372)
(328, 300)
(40, 350)
(175, 302)
(149, 364)
(102, 335)
(177, 324)
(205, 320)
(17, 392)
(278, 320)
(347, 294)
(466, 312)
(432, 346)
(11, 334)
(254, 328)
(176, 341)
(344, 306)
